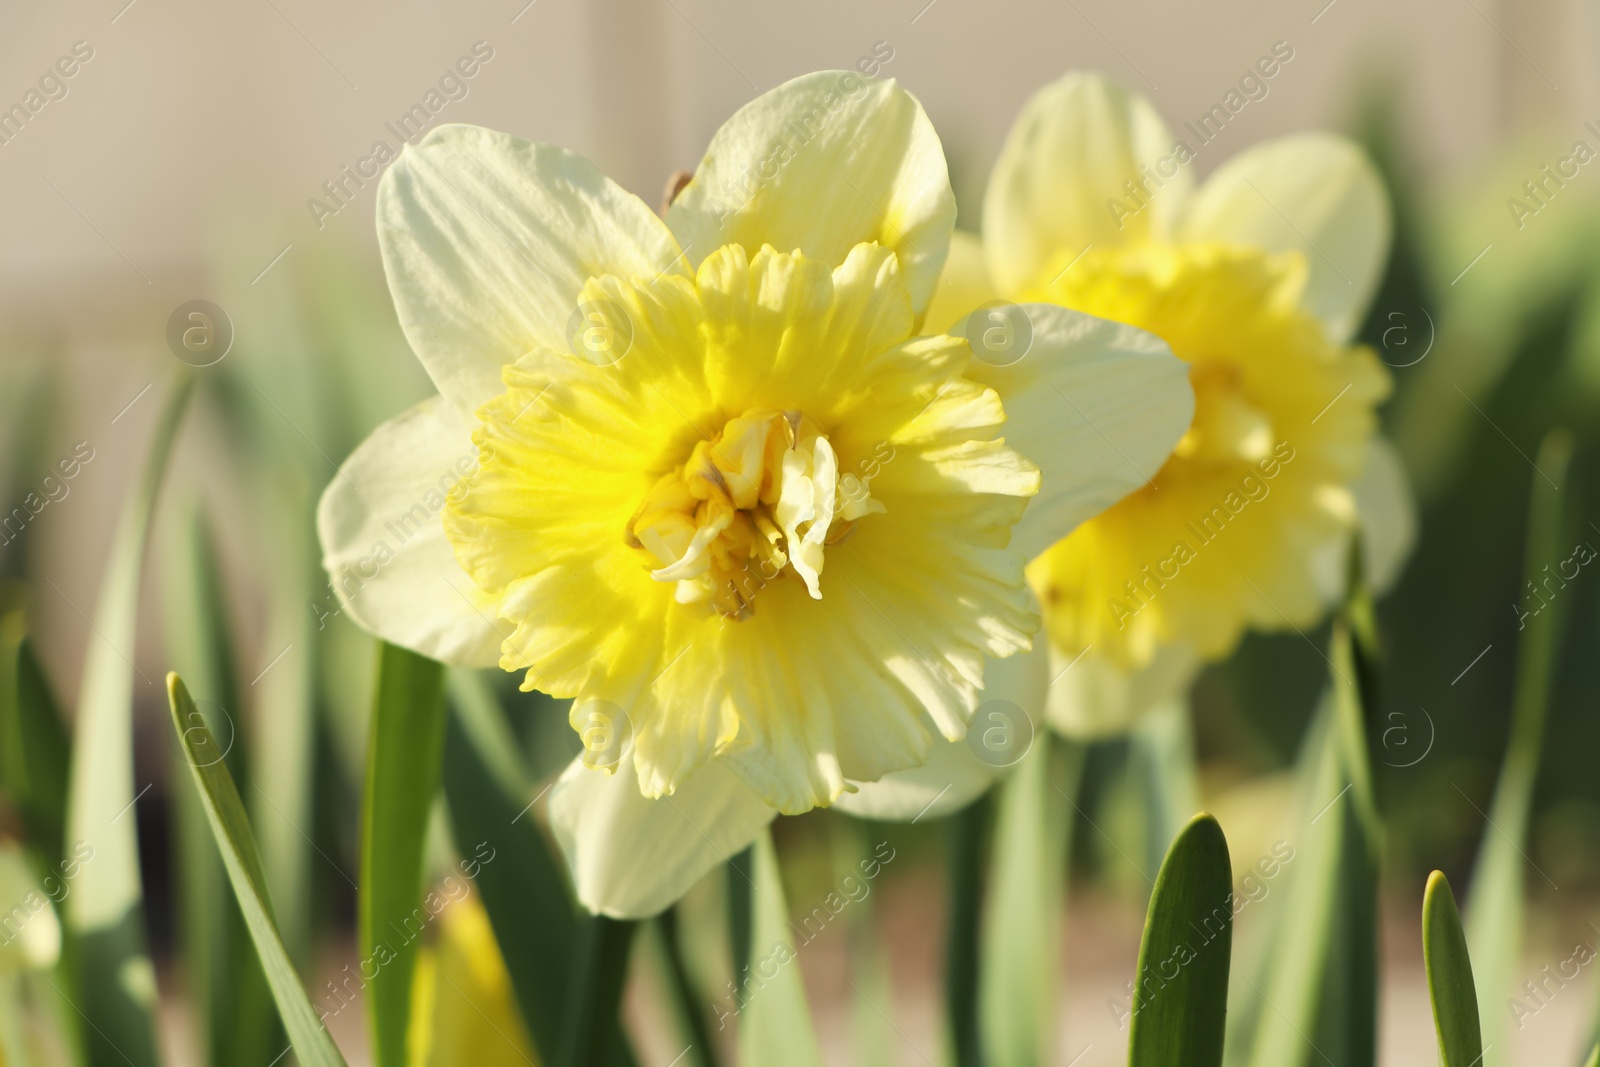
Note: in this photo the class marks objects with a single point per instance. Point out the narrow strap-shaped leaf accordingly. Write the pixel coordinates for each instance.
(283, 680)
(29, 406)
(105, 920)
(1311, 995)
(859, 860)
(600, 969)
(233, 1014)
(1020, 946)
(231, 827)
(1180, 992)
(1594, 1057)
(774, 1019)
(404, 758)
(741, 880)
(682, 1000)
(964, 844)
(1444, 950)
(35, 751)
(1496, 896)
(521, 883)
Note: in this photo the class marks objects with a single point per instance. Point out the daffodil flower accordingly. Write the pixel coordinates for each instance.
(704, 476)
(1257, 279)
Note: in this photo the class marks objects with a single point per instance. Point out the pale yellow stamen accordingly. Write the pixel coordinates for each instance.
(764, 496)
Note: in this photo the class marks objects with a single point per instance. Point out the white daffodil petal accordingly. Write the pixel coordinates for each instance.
(1096, 405)
(1388, 515)
(1091, 698)
(384, 544)
(951, 779)
(1007, 724)
(1067, 178)
(820, 164)
(1315, 193)
(487, 241)
(964, 285)
(632, 857)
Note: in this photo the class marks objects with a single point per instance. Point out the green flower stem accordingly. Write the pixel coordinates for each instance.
(968, 828)
(741, 889)
(600, 968)
(688, 1004)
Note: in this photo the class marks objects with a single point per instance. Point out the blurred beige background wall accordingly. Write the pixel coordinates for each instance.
(179, 157)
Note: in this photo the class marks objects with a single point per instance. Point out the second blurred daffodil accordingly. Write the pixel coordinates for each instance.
(1257, 280)
(704, 476)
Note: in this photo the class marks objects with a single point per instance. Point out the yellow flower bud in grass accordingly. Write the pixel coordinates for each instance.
(706, 476)
(463, 1009)
(1256, 279)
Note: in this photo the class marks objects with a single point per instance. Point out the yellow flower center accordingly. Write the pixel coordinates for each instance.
(1229, 427)
(624, 510)
(764, 496)
(1222, 537)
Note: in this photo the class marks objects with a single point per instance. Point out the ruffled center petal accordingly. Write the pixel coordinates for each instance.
(772, 527)
(763, 495)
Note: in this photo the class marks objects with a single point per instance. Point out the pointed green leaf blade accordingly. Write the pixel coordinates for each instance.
(234, 1017)
(1444, 950)
(594, 1033)
(1180, 995)
(1313, 997)
(231, 828)
(1496, 900)
(775, 1020)
(282, 759)
(105, 920)
(35, 751)
(1020, 942)
(403, 766)
(521, 882)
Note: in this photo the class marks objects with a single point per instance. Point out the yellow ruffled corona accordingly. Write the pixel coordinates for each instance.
(706, 533)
